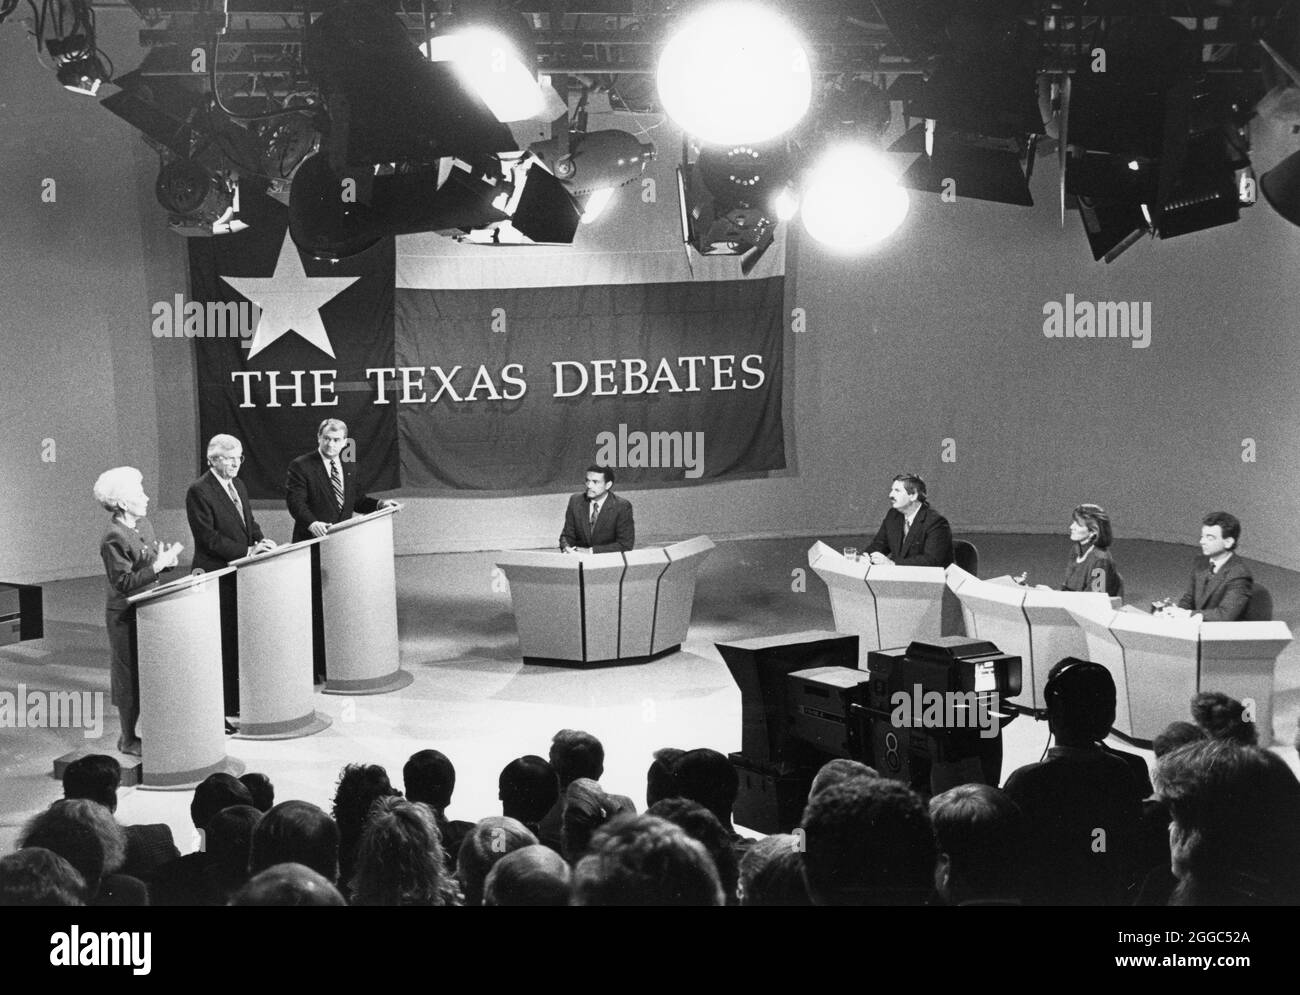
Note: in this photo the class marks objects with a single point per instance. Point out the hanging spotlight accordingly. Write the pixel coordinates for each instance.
(729, 199)
(592, 165)
(199, 201)
(852, 200)
(78, 67)
(735, 73)
(487, 62)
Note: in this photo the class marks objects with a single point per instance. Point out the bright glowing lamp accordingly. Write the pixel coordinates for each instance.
(596, 204)
(735, 74)
(852, 199)
(487, 63)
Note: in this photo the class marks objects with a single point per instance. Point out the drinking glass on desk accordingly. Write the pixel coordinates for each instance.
(851, 553)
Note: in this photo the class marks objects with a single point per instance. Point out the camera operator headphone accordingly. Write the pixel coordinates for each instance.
(1056, 686)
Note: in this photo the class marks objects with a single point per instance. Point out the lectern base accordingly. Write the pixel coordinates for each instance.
(395, 681)
(307, 725)
(183, 780)
(130, 764)
(546, 661)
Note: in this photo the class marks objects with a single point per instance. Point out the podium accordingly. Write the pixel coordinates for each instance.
(603, 606)
(1032, 623)
(273, 608)
(178, 648)
(359, 605)
(1240, 659)
(885, 605)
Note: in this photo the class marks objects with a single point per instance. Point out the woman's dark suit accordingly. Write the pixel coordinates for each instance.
(128, 555)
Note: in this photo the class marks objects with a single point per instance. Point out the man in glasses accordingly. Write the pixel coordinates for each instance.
(224, 529)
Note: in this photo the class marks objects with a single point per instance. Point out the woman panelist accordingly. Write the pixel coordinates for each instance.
(1091, 567)
(133, 559)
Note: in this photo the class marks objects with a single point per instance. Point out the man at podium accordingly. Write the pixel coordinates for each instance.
(321, 488)
(597, 520)
(913, 534)
(1221, 584)
(224, 529)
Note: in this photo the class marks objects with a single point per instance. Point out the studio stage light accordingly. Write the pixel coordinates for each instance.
(852, 200)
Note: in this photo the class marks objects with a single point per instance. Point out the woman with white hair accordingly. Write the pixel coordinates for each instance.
(133, 559)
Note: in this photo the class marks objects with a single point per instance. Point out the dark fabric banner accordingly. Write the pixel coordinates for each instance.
(302, 359)
(511, 389)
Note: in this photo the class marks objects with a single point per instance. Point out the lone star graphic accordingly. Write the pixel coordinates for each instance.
(290, 300)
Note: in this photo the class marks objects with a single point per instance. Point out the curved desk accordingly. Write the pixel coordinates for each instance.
(603, 606)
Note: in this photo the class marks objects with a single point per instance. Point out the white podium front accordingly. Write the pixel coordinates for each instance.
(1240, 659)
(852, 603)
(273, 599)
(359, 603)
(590, 608)
(996, 612)
(178, 648)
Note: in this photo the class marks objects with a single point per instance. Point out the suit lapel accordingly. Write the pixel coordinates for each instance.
(1213, 581)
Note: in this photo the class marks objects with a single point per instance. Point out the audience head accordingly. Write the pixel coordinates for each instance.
(659, 778)
(837, 771)
(868, 841)
(37, 876)
(82, 832)
(230, 843)
(400, 859)
(429, 777)
(482, 847)
(707, 777)
(287, 885)
(586, 808)
(528, 789)
(980, 833)
(1229, 530)
(1093, 518)
(576, 754)
(1234, 838)
(1176, 734)
(359, 787)
(296, 832)
(771, 873)
(1080, 698)
(644, 860)
(262, 790)
(95, 777)
(215, 792)
(530, 876)
(703, 826)
(1221, 717)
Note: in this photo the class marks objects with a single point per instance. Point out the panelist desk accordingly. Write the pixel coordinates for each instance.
(884, 605)
(1240, 659)
(1030, 622)
(178, 649)
(273, 608)
(603, 606)
(359, 605)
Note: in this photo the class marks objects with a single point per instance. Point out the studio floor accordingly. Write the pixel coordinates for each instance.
(474, 699)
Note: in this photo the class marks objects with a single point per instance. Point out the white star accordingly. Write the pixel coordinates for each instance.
(290, 300)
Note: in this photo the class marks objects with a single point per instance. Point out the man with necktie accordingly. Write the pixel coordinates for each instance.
(224, 529)
(597, 520)
(1221, 583)
(913, 534)
(320, 491)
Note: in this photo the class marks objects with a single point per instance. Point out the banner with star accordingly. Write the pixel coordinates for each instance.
(321, 326)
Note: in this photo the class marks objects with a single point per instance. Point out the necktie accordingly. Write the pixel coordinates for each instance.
(234, 496)
(337, 481)
(591, 522)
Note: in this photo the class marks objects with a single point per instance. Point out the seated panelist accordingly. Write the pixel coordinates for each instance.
(913, 534)
(1221, 583)
(1091, 567)
(598, 520)
(320, 489)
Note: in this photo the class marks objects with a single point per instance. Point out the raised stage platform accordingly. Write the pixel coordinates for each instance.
(473, 697)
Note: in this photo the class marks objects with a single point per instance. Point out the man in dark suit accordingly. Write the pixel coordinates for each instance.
(321, 488)
(598, 521)
(224, 529)
(1221, 583)
(913, 534)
